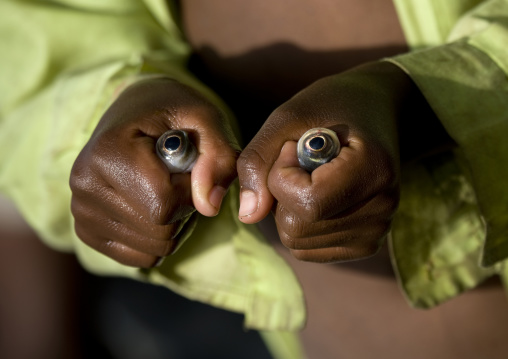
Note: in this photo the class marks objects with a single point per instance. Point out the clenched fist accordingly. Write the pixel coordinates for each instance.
(343, 209)
(125, 202)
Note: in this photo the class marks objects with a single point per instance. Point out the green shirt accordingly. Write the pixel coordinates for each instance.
(451, 231)
(64, 61)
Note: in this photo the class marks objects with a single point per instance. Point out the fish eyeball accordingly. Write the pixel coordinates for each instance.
(177, 151)
(316, 147)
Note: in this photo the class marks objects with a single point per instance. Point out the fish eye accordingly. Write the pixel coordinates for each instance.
(177, 151)
(316, 147)
(316, 143)
(172, 143)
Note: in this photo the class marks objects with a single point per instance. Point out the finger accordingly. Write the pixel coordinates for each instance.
(356, 236)
(337, 254)
(99, 223)
(332, 188)
(104, 201)
(335, 239)
(116, 250)
(254, 165)
(209, 129)
(375, 212)
(214, 170)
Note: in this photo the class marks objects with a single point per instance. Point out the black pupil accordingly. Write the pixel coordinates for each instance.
(172, 143)
(317, 143)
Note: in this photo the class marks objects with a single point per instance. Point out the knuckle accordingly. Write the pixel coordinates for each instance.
(287, 240)
(83, 180)
(291, 225)
(164, 233)
(308, 207)
(159, 199)
(169, 210)
(250, 160)
(161, 211)
(305, 207)
(125, 255)
(306, 256)
(285, 114)
(79, 180)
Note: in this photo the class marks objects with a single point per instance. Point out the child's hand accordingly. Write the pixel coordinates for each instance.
(125, 202)
(342, 210)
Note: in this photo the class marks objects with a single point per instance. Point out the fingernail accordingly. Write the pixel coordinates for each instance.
(248, 203)
(216, 195)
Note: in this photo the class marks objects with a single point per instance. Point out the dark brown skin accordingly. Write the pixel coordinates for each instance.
(342, 211)
(125, 202)
(127, 206)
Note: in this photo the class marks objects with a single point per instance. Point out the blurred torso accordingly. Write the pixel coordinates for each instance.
(256, 55)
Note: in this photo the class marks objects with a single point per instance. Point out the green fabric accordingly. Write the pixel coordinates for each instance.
(453, 217)
(283, 345)
(428, 22)
(438, 233)
(62, 64)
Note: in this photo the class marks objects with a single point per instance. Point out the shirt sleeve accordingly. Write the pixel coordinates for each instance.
(63, 62)
(452, 230)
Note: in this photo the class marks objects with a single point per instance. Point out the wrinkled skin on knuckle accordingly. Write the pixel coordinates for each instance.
(162, 232)
(292, 225)
(308, 207)
(82, 179)
(80, 211)
(303, 255)
(146, 244)
(169, 209)
(303, 203)
(125, 255)
(361, 239)
(337, 254)
(249, 162)
(289, 224)
(287, 240)
(303, 112)
(77, 179)
(142, 261)
(332, 255)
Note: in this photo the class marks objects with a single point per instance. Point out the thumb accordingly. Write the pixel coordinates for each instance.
(213, 172)
(253, 167)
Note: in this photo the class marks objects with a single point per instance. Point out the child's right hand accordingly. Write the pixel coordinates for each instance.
(125, 202)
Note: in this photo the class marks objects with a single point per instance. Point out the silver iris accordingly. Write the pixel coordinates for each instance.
(177, 151)
(316, 147)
